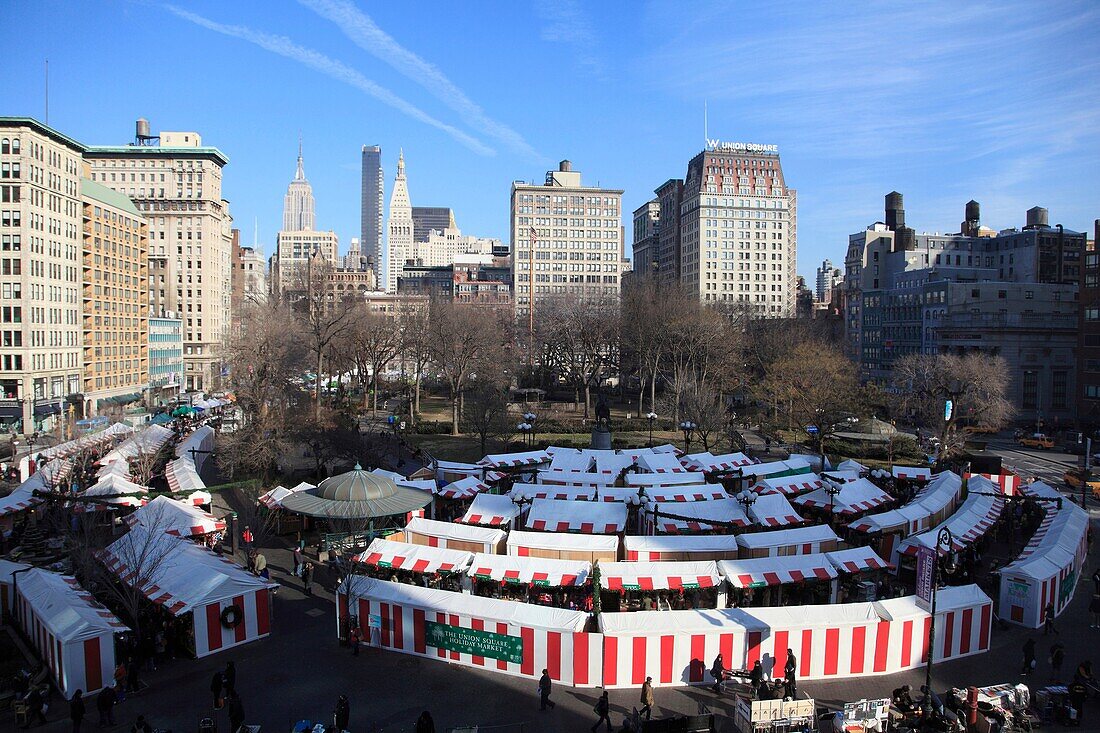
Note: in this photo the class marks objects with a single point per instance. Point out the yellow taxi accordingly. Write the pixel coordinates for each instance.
(1037, 440)
(1075, 476)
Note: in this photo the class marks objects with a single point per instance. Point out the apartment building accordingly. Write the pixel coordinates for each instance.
(646, 217)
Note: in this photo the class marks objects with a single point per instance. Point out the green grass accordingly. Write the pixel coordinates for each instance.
(467, 448)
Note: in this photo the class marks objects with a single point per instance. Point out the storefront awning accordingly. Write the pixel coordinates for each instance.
(587, 517)
(856, 560)
(764, 571)
(658, 575)
(415, 558)
(536, 570)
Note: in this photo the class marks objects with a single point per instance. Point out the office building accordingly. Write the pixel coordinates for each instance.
(249, 280)
(372, 206)
(293, 251)
(399, 235)
(828, 277)
(177, 184)
(577, 237)
(116, 301)
(1088, 341)
(1011, 293)
(298, 204)
(427, 219)
(480, 279)
(670, 196)
(356, 258)
(166, 367)
(645, 237)
(444, 247)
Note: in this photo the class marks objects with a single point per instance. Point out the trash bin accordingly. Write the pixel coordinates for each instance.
(207, 725)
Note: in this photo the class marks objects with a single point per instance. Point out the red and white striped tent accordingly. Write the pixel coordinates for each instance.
(609, 462)
(519, 639)
(660, 463)
(187, 578)
(521, 543)
(707, 461)
(855, 497)
(550, 491)
(659, 575)
(664, 448)
(578, 480)
(182, 476)
(513, 460)
(450, 471)
(664, 480)
(115, 490)
(852, 465)
(857, 560)
(415, 558)
(691, 492)
(911, 473)
(692, 516)
(549, 515)
(571, 460)
(940, 495)
(7, 587)
(625, 495)
(22, 498)
(148, 441)
(424, 484)
(423, 531)
(117, 468)
(200, 497)
(273, 498)
(764, 571)
(492, 510)
(198, 446)
(468, 487)
(663, 547)
(1050, 567)
(776, 468)
(967, 525)
(1009, 483)
(88, 441)
(773, 510)
(535, 570)
(73, 633)
(809, 540)
(789, 485)
(176, 518)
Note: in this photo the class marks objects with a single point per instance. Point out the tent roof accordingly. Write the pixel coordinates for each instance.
(452, 531)
(660, 463)
(200, 440)
(691, 492)
(415, 558)
(491, 509)
(273, 499)
(659, 575)
(948, 598)
(175, 517)
(611, 462)
(855, 497)
(7, 568)
(967, 525)
(851, 465)
(789, 467)
(793, 536)
(680, 543)
(113, 483)
(773, 510)
(549, 491)
(789, 485)
(762, 571)
(664, 479)
(571, 478)
(918, 473)
(695, 621)
(519, 614)
(537, 570)
(65, 608)
(456, 466)
(562, 541)
(569, 459)
(1054, 546)
(505, 460)
(177, 573)
(943, 489)
(707, 461)
(549, 515)
(722, 510)
(470, 486)
(627, 495)
(856, 559)
(22, 497)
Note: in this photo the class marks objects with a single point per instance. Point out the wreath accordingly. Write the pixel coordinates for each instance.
(232, 616)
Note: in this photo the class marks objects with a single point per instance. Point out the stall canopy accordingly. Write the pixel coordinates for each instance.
(647, 547)
(197, 446)
(967, 525)
(415, 558)
(764, 571)
(773, 510)
(628, 495)
(813, 459)
(512, 460)
(549, 515)
(536, 570)
(648, 480)
(7, 572)
(692, 516)
(150, 440)
(611, 463)
(851, 465)
(692, 492)
(570, 459)
(424, 484)
(451, 531)
(113, 489)
(940, 493)
(789, 485)
(175, 517)
(660, 463)
(777, 469)
(470, 486)
(658, 575)
(273, 499)
(22, 498)
(182, 476)
(856, 560)
(88, 441)
(709, 462)
(805, 540)
(560, 493)
(519, 542)
(580, 480)
(490, 509)
(912, 473)
(855, 497)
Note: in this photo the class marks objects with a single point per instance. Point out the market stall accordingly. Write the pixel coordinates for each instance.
(779, 581)
(575, 480)
(782, 542)
(530, 492)
(570, 460)
(558, 546)
(520, 639)
(662, 586)
(964, 622)
(222, 605)
(73, 633)
(911, 473)
(666, 548)
(273, 499)
(773, 510)
(447, 472)
(176, 518)
(469, 487)
(611, 463)
(430, 567)
(776, 469)
(516, 460)
(860, 571)
(491, 510)
(693, 516)
(198, 446)
(788, 485)
(111, 490)
(20, 500)
(663, 480)
(422, 531)
(182, 476)
(539, 580)
(968, 524)
(660, 463)
(853, 499)
(691, 492)
(585, 517)
(709, 463)
(7, 588)
(934, 503)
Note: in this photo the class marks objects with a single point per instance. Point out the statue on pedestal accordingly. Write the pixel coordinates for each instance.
(601, 433)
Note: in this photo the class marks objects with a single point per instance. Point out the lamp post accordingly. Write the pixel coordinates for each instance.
(652, 418)
(688, 427)
(943, 539)
(525, 429)
(746, 499)
(529, 418)
(832, 489)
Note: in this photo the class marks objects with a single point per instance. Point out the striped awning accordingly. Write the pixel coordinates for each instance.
(467, 488)
(537, 570)
(414, 558)
(696, 513)
(857, 560)
(552, 491)
(658, 575)
(490, 510)
(765, 571)
(702, 492)
(967, 525)
(586, 517)
(773, 510)
(789, 485)
(182, 476)
(509, 460)
(912, 473)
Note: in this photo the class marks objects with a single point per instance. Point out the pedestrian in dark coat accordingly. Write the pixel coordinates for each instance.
(105, 704)
(34, 707)
(789, 668)
(307, 578)
(1057, 656)
(236, 712)
(1048, 620)
(217, 687)
(647, 698)
(425, 724)
(76, 710)
(230, 678)
(602, 709)
(342, 714)
(1029, 657)
(544, 692)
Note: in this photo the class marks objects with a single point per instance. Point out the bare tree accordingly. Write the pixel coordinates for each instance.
(702, 403)
(458, 336)
(416, 353)
(485, 410)
(374, 340)
(324, 314)
(580, 339)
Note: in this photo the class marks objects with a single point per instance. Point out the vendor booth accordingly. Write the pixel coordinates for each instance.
(528, 459)
(693, 516)
(176, 518)
(661, 586)
(570, 460)
(1050, 566)
(222, 604)
(111, 490)
(779, 581)
(934, 503)
(773, 510)
(447, 472)
(539, 580)
(491, 510)
(467, 488)
(430, 567)
(519, 639)
(789, 485)
(21, 499)
(197, 447)
(665, 548)
(570, 479)
(781, 542)
(854, 498)
(911, 473)
(660, 463)
(182, 476)
(610, 463)
(7, 587)
(530, 492)
(585, 517)
(73, 633)
(969, 524)
(707, 462)
(663, 480)
(422, 531)
(590, 548)
(964, 622)
(776, 469)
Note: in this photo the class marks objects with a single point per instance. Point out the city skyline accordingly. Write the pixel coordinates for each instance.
(944, 111)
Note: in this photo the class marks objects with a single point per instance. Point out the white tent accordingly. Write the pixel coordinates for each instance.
(572, 460)
(197, 446)
(796, 541)
(813, 460)
(789, 485)
(22, 498)
(182, 476)
(692, 516)
(423, 531)
(467, 488)
(491, 509)
(509, 460)
(670, 547)
(707, 461)
(852, 465)
(626, 495)
(776, 468)
(273, 498)
(856, 560)
(415, 558)
(660, 463)
(185, 577)
(579, 480)
(549, 515)
(967, 525)
(73, 633)
(690, 492)
(941, 494)
(659, 575)
(647, 480)
(150, 440)
(536, 570)
(448, 471)
(116, 490)
(855, 497)
(762, 571)
(610, 463)
(175, 517)
(547, 491)
(7, 572)
(522, 543)
(773, 510)
(911, 473)
(427, 484)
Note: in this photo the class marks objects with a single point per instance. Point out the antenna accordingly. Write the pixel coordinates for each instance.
(47, 91)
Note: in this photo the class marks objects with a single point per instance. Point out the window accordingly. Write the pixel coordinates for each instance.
(1030, 390)
(1059, 382)
(1002, 294)
(975, 293)
(1029, 294)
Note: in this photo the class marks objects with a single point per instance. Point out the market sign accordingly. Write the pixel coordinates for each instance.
(474, 642)
(926, 566)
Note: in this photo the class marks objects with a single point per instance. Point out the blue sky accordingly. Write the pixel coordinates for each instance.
(944, 102)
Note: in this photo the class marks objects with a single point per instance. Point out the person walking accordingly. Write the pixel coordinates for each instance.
(789, 682)
(425, 724)
(1029, 657)
(342, 714)
(76, 710)
(647, 698)
(718, 672)
(105, 704)
(354, 637)
(756, 675)
(1057, 656)
(602, 709)
(307, 578)
(229, 678)
(246, 535)
(217, 686)
(1078, 692)
(297, 561)
(260, 566)
(120, 680)
(1048, 620)
(544, 691)
(236, 712)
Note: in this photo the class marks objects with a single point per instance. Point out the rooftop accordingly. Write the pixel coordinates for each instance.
(108, 196)
(149, 151)
(41, 129)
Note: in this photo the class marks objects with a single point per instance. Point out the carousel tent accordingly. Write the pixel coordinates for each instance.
(545, 491)
(467, 488)
(707, 461)
(659, 575)
(422, 531)
(175, 517)
(773, 510)
(415, 558)
(72, 632)
(660, 463)
(273, 499)
(797, 541)
(855, 497)
(763, 571)
(692, 516)
(567, 546)
(789, 485)
(536, 570)
(648, 480)
(549, 515)
(673, 547)
(491, 509)
(357, 494)
(856, 559)
(188, 578)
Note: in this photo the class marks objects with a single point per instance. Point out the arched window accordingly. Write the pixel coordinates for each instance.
(5, 146)
(15, 145)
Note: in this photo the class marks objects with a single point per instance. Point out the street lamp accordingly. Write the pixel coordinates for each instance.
(529, 418)
(832, 489)
(746, 499)
(943, 539)
(688, 427)
(526, 428)
(652, 418)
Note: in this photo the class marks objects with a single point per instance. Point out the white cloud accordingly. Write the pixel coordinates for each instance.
(285, 47)
(566, 23)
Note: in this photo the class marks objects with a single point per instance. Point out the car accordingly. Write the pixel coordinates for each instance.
(1037, 440)
(1074, 477)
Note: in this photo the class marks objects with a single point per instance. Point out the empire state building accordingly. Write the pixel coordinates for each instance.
(298, 203)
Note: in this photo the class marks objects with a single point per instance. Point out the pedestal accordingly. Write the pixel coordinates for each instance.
(601, 438)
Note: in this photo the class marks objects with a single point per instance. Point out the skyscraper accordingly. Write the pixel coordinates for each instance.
(399, 237)
(298, 203)
(373, 206)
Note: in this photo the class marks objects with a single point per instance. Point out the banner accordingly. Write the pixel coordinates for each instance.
(926, 566)
(474, 642)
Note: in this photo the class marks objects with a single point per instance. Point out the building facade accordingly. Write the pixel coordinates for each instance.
(293, 251)
(670, 197)
(828, 276)
(478, 279)
(373, 206)
(578, 239)
(298, 206)
(1088, 340)
(177, 185)
(166, 366)
(427, 219)
(645, 237)
(116, 301)
(399, 234)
